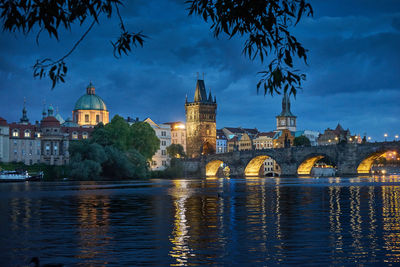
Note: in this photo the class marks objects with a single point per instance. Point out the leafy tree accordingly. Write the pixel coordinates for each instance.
(86, 170)
(117, 165)
(83, 150)
(301, 141)
(53, 15)
(119, 133)
(139, 163)
(176, 151)
(144, 139)
(264, 24)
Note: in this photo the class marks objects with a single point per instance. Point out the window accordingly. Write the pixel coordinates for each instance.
(15, 133)
(74, 135)
(154, 163)
(163, 143)
(27, 134)
(163, 152)
(164, 163)
(76, 118)
(87, 118)
(97, 118)
(85, 135)
(163, 133)
(38, 135)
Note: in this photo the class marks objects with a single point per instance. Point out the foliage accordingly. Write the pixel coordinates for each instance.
(174, 170)
(52, 15)
(176, 151)
(113, 147)
(85, 170)
(144, 139)
(265, 25)
(301, 141)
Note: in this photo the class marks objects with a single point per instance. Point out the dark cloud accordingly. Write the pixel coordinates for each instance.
(352, 76)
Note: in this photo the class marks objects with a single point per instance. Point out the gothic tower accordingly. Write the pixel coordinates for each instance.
(201, 132)
(286, 120)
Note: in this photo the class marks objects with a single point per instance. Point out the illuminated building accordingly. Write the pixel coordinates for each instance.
(222, 146)
(332, 137)
(4, 140)
(90, 109)
(178, 133)
(286, 120)
(160, 160)
(201, 132)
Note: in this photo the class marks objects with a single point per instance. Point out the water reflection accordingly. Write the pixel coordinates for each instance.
(93, 228)
(258, 221)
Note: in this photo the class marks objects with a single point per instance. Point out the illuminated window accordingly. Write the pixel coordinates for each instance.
(27, 134)
(38, 135)
(15, 133)
(97, 118)
(85, 135)
(74, 135)
(87, 118)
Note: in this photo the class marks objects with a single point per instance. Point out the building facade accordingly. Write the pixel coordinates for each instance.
(4, 141)
(333, 137)
(54, 143)
(90, 109)
(178, 133)
(201, 132)
(286, 120)
(160, 160)
(222, 145)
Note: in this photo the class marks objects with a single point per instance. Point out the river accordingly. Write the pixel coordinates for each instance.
(257, 222)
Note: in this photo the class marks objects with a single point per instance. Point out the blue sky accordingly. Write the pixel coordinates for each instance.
(353, 75)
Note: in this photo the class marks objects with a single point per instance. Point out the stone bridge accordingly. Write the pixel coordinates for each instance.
(350, 159)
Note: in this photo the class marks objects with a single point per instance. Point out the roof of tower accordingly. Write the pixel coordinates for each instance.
(200, 94)
(286, 107)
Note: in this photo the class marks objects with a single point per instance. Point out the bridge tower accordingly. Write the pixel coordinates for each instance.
(286, 120)
(201, 132)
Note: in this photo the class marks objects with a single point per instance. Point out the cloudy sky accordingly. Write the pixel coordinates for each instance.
(353, 76)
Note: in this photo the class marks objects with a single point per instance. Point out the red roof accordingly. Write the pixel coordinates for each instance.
(50, 122)
(3, 122)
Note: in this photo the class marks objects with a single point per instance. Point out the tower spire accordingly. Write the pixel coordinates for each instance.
(24, 119)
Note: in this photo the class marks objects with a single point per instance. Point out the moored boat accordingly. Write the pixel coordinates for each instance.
(19, 176)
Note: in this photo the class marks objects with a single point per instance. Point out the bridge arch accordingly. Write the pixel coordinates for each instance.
(308, 163)
(253, 167)
(216, 165)
(364, 167)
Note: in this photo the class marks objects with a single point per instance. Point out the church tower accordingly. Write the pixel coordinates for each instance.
(286, 120)
(201, 132)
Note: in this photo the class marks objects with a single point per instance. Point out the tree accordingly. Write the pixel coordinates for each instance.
(176, 151)
(144, 139)
(264, 24)
(301, 141)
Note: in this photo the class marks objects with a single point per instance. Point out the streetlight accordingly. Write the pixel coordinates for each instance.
(385, 135)
(396, 137)
(369, 138)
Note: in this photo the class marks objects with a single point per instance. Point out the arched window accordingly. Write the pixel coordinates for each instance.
(85, 135)
(27, 133)
(86, 117)
(74, 135)
(15, 133)
(97, 118)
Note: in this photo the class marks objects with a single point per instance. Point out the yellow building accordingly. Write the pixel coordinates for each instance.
(90, 109)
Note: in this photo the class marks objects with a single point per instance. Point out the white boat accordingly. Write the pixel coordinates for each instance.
(18, 176)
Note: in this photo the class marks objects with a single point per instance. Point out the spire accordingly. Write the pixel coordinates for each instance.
(90, 90)
(200, 94)
(24, 118)
(286, 106)
(50, 111)
(215, 99)
(186, 99)
(44, 109)
(210, 97)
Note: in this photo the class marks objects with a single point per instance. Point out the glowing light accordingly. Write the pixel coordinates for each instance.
(179, 126)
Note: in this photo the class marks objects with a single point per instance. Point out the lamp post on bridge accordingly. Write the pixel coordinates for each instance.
(396, 137)
(385, 135)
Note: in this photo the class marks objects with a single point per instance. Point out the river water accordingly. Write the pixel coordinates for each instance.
(257, 222)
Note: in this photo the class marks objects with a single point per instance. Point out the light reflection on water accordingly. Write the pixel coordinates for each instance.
(258, 221)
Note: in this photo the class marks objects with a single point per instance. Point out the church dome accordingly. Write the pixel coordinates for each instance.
(90, 101)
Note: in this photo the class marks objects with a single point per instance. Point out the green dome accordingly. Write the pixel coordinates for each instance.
(90, 102)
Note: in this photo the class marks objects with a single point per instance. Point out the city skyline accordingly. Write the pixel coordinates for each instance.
(351, 76)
